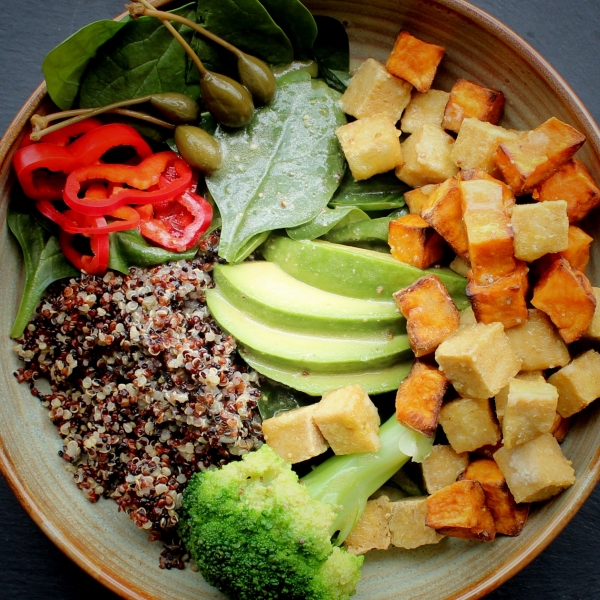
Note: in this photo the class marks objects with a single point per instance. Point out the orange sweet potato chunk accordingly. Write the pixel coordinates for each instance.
(574, 184)
(508, 198)
(414, 242)
(416, 199)
(566, 296)
(431, 315)
(469, 99)
(577, 252)
(414, 60)
(419, 398)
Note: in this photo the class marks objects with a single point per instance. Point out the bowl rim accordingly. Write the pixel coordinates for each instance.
(471, 591)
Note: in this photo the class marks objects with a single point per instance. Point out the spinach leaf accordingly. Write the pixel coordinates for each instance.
(332, 48)
(64, 66)
(276, 398)
(44, 263)
(338, 80)
(329, 219)
(282, 168)
(142, 58)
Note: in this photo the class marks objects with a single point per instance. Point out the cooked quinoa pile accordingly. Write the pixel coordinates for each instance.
(145, 389)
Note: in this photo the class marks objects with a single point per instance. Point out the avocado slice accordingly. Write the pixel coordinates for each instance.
(351, 271)
(264, 291)
(316, 352)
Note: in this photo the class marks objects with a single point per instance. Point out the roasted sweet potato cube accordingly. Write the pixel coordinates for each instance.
(528, 161)
(459, 510)
(577, 252)
(573, 183)
(431, 315)
(443, 211)
(416, 199)
(414, 60)
(566, 296)
(469, 99)
(593, 330)
(475, 174)
(424, 108)
(503, 300)
(509, 517)
(414, 242)
(419, 398)
(560, 427)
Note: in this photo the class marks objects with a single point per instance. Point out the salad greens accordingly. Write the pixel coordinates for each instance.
(332, 52)
(327, 220)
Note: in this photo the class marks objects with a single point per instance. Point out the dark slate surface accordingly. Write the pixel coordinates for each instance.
(566, 33)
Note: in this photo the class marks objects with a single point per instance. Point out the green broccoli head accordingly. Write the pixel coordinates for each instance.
(256, 532)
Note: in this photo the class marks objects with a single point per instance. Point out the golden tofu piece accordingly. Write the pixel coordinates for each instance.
(414, 60)
(467, 317)
(560, 428)
(407, 524)
(431, 315)
(424, 108)
(476, 174)
(373, 90)
(469, 423)
(460, 265)
(416, 199)
(414, 242)
(348, 420)
(578, 383)
(593, 331)
(442, 467)
(528, 161)
(469, 99)
(478, 360)
(371, 145)
(502, 396)
(536, 470)
(577, 252)
(427, 157)
(372, 530)
(537, 343)
(294, 435)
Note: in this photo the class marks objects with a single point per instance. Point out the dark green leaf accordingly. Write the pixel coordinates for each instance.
(332, 48)
(276, 398)
(338, 80)
(328, 220)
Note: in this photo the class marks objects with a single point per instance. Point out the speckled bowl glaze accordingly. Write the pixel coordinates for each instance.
(108, 545)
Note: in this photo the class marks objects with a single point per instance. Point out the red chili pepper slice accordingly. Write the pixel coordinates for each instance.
(97, 262)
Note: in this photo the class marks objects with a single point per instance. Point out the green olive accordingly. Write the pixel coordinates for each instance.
(198, 148)
(257, 77)
(179, 108)
(226, 100)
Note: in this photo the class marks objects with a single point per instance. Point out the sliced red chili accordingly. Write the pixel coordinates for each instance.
(95, 263)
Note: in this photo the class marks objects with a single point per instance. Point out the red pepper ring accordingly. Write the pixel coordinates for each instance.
(139, 178)
(64, 136)
(95, 264)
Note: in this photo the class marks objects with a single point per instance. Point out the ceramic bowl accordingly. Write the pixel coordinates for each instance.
(108, 546)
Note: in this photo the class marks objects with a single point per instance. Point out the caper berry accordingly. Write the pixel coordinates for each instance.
(226, 100)
(257, 77)
(179, 108)
(198, 148)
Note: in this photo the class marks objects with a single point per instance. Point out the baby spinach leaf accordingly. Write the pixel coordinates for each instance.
(338, 80)
(380, 192)
(282, 169)
(327, 220)
(332, 48)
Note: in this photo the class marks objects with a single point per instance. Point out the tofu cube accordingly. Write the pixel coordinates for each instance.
(540, 229)
(577, 252)
(593, 330)
(476, 174)
(469, 423)
(442, 467)
(294, 435)
(578, 383)
(502, 396)
(407, 524)
(427, 157)
(478, 360)
(467, 317)
(528, 161)
(371, 145)
(424, 109)
(417, 199)
(348, 420)
(373, 90)
(372, 530)
(536, 470)
(414, 60)
(469, 99)
(560, 427)
(460, 265)
(414, 242)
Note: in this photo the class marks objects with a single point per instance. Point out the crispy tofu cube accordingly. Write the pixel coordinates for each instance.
(467, 317)
(476, 174)
(577, 252)
(593, 330)
(294, 435)
(459, 510)
(509, 517)
(431, 315)
(530, 411)
(536, 470)
(416, 199)
(469, 99)
(478, 360)
(537, 343)
(477, 143)
(502, 396)
(407, 524)
(566, 296)
(469, 423)
(414, 242)
(528, 161)
(574, 184)
(460, 265)
(443, 211)
(427, 157)
(373, 90)
(419, 398)
(348, 420)
(442, 467)
(424, 108)
(372, 530)
(371, 145)
(414, 60)
(578, 383)
(560, 427)
(503, 300)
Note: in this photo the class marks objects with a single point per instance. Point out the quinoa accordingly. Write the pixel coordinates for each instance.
(145, 389)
